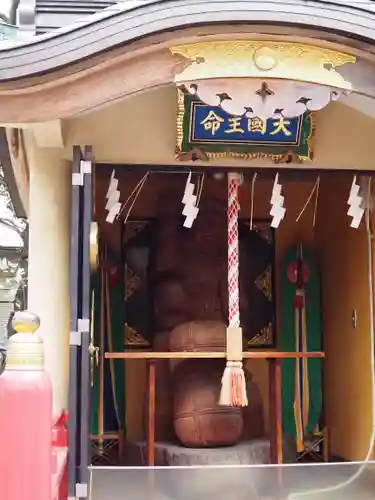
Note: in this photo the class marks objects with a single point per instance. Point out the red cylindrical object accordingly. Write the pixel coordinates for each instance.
(26, 435)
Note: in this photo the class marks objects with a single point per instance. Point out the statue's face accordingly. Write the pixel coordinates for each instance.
(209, 230)
(169, 204)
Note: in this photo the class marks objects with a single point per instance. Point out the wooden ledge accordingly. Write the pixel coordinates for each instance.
(211, 355)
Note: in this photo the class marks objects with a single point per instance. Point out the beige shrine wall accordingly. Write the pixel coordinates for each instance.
(347, 369)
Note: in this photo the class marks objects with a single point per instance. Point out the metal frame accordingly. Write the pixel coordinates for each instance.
(74, 314)
(85, 443)
(80, 299)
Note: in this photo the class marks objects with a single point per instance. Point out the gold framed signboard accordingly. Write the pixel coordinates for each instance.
(216, 134)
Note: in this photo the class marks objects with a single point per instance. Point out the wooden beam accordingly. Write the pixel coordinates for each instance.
(211, 355)
(287, 173)
(276, 428)
(48, 134)
(151, 413)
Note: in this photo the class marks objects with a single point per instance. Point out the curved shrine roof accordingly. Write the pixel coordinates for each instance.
(131, 20)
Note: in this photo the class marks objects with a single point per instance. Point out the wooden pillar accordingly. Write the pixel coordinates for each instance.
(49, 261)
(276, 430)
(151, 413)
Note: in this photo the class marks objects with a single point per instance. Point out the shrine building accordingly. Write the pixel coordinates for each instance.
(191, 169)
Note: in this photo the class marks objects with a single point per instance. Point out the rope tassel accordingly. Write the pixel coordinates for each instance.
(233, 383)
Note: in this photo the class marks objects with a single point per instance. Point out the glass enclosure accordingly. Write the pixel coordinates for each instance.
(330, 481)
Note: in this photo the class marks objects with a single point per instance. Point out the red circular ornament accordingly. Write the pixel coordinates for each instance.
(113, 276)
(292, 272)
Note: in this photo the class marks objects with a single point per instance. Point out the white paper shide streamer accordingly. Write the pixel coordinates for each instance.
(355, 202)
(113, 205)
(190, 202)
(277, 211)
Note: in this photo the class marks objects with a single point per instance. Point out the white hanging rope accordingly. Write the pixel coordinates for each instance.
(316, 201)
(233, 383)
(134, 193)
(315, 189)
(252, 200)
(135, 199)
(200, 189)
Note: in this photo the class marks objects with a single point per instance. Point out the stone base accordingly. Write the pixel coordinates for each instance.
(256, 451)
(212, 482)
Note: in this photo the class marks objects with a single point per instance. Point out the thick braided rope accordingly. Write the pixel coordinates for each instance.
(233, 261)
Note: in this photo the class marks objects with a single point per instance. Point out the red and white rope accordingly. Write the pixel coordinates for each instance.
(233, 252)
(233, 383)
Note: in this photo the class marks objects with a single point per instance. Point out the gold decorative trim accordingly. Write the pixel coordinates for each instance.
(263, 229)
(311, 138)
(180, 121)
(192, 155)
(132, 228)
(264, 337)
(132, 282)
(263, 59)
(94, 246)
(134, 338)
(253, 156)
(264, 283)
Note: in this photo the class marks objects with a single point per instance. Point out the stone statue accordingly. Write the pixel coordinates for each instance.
(191, 299)
(190, 270)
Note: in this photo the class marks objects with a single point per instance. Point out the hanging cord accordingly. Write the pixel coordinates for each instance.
(135, 198)
(135, 193)
(110, 342)
(368, 457)
(101, 356)
(315, 190)
(316, 200)
(252, 200)
(200, 189)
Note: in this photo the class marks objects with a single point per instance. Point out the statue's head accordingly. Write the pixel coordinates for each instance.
(170, 300)
(209, 229)
(169, 204)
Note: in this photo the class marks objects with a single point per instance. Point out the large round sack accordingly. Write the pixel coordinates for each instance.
(199, 421)
(198, 336)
